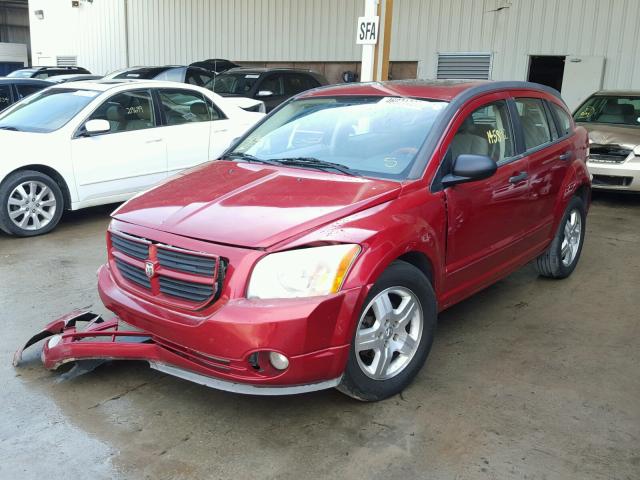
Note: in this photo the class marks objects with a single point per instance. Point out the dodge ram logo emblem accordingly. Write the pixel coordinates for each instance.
(149, 269)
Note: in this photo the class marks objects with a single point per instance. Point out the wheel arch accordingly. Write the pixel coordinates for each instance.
(55, 175)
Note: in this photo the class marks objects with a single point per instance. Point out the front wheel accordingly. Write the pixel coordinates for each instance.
(562, 256)
(31, 204)
(393, 336)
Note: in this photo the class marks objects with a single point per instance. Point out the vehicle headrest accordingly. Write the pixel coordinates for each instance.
(116, 113)
(627, 109)
(199, 108)
(612, 108)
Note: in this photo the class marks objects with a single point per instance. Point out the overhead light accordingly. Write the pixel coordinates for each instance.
(39, 14)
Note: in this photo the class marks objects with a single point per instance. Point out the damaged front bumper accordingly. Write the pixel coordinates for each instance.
(102, 341)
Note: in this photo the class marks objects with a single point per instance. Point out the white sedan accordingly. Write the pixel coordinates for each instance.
(89, 143)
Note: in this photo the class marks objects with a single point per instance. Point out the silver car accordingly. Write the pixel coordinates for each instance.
(612, 119)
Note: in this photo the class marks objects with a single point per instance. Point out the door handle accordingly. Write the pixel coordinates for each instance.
(155, 140)
(519, 177)
(565, 156)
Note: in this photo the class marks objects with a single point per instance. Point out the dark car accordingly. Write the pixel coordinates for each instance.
(46, 72)
(171, 73)
(14, 89)
(217, 65)
(81, 77)
(271, 85)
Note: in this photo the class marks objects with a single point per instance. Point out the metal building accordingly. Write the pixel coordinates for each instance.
(576, 45)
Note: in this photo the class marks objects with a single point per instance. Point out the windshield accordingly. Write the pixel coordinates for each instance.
(374, 136)
(233, 83)
(46, 111)
(21, 73)
(618, 110)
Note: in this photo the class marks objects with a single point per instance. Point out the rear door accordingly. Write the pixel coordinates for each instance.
(186, 129)
(487, 218)
(548, 145)
(131, 157)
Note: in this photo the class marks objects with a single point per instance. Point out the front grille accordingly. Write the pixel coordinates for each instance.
(182, 274)
(612, 180)
(186, 262)
(133, 274)
(196, 292)
(130, 247)
(608, 153)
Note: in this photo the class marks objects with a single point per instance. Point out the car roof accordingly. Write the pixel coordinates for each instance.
(30, 81)
(267, 69)
(444, 90)
(122, 84)
(625, 93)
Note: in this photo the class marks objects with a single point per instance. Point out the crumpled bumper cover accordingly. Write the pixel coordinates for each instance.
(109, 340)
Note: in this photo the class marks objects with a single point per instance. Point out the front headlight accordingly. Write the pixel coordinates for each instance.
(306, 272)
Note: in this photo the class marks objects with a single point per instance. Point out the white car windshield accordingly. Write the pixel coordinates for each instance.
(46, 111)
(372, 136)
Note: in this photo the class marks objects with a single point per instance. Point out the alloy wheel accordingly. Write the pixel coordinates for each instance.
(389, 333)
(31, 205)
(572, 237)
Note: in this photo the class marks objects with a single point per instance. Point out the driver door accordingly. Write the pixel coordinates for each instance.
(487, 219)
(129, 158)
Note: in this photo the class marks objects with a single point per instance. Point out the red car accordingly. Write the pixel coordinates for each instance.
(318, 252)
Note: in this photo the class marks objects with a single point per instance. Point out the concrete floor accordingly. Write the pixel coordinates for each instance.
(530, 379)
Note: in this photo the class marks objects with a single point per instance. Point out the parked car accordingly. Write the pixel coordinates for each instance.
(271, 85)
(81, 77)
(14, 89)
(89, 143)
(612, 119)
(182, 74)
(217, 65)
(318, 252)
(46, 72)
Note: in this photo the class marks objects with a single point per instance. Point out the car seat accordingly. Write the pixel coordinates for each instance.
(612, 112)
(200, 110)
(466, 141)
(117, 117)
(142, 118)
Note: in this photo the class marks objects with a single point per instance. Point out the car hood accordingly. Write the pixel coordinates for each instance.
(252, 205)
(603, 134)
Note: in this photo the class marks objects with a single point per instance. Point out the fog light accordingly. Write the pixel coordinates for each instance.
(279, 361)
(53, 341)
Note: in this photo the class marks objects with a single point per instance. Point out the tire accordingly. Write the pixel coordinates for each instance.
(31, 203)
(365, 377)
(554, 262)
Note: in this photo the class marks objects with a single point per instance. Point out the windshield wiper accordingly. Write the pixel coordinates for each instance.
(13, 129)
(312, 162)
(250, 158)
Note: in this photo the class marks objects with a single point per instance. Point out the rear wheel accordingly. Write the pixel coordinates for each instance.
(562, 256)
(31, 203)
(394, 334)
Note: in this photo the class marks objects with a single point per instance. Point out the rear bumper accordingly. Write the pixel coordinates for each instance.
(220, 348)
(616, 176)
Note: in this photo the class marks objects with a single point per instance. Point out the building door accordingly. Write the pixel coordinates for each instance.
(582, 77)
(547, 70)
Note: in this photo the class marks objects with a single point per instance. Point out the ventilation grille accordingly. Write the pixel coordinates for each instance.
(464, 66)
(67, 61)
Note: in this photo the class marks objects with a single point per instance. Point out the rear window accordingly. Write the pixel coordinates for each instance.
(611, 109)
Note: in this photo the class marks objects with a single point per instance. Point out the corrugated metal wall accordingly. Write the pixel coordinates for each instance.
(182, 31)
(168, 31)
(513, 30)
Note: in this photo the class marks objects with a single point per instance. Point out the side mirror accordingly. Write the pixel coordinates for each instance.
(265, 93)
(96, 127)
(469, 168)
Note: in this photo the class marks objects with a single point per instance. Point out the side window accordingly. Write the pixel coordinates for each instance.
(127, 111)
(183, 106)
(535, 126)
(294, 84)
(26, 90)
(487, 131)
(563, 119)
(214, 111)
(272, 83)
(195, 76)
(5, 96)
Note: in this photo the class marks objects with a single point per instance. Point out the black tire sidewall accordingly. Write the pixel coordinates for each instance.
(355, 382)
(565, 270)
(7, 186)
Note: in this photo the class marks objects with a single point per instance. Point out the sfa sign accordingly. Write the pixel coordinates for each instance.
(367, 31)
